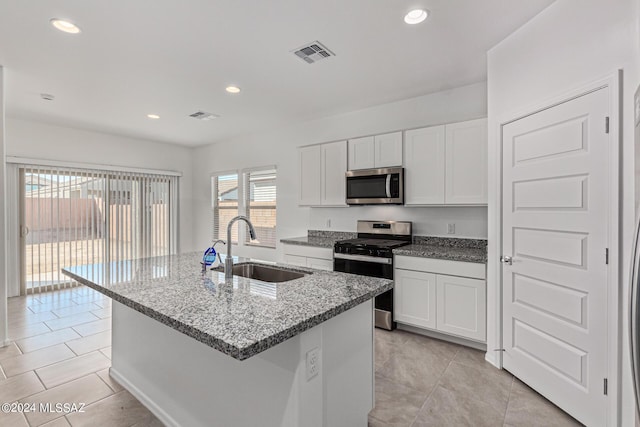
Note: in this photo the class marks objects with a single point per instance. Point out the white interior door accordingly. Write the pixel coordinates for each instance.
(555, 228)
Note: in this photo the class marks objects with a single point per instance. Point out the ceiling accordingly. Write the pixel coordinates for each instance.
(175, 57)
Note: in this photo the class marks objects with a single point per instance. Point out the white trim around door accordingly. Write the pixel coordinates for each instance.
(494, 282)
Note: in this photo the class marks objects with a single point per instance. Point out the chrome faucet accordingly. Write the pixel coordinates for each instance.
(228, 262)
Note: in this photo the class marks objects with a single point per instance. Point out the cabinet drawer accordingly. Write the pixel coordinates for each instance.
(308, 251)
(320, 264)
(300, 261)
(441, 266)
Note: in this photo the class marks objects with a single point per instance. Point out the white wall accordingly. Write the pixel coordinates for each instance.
(568, 45)
(278, 147)
(45, 141)
(3, 240)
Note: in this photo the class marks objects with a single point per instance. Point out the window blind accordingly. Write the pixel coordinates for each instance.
(260, 205)
(82, 218)
(225, 205)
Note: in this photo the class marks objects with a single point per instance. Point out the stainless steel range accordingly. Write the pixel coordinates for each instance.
(371, 254)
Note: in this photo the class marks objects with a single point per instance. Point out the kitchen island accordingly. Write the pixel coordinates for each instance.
(199, 350)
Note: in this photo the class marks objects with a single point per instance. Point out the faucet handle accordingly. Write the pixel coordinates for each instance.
(219, 241)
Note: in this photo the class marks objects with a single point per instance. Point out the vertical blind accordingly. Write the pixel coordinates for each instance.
(81, 219)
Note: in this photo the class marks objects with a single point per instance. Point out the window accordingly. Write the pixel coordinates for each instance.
(225, 205)
(260, 206)
(251, 193)
(81, 218)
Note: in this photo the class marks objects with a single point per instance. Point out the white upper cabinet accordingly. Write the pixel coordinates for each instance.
(361, 153)
(322, 174)
(309, 173)
(446, 165)
(466, 163)
(378, 151)
(333, 166)
(424, 166)
(388, 150)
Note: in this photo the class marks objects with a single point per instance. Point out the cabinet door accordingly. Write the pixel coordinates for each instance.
(461, 307)
(361, 153)
(320, 264)
(466, 163)
(334, 166)
(414, 298)
(309, 173)
(424, 166)
(300, 261)
(388, 150)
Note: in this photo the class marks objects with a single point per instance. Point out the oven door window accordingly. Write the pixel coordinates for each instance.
(367, 187)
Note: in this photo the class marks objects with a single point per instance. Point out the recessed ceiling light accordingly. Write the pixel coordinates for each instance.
(416, 16)
(233, 89)
(153, 116)
(66, 26)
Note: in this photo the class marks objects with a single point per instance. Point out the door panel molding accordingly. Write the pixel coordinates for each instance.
(494, 275)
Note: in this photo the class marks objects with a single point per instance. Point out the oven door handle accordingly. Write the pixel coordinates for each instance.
(388, 186)
(364, 258)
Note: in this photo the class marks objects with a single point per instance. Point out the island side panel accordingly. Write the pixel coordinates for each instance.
(185, 382)
(349, 369)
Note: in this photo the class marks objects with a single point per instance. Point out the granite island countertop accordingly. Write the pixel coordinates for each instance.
(240, 318)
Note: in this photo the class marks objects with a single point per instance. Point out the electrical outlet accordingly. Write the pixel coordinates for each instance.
(328, 223)
(313, 363)
(451, 229)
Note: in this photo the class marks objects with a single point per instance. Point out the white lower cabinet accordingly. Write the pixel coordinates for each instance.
(427, 295)
(415, 298)
(320, 264)
(300, 261)
(461, 306)
(308, 256)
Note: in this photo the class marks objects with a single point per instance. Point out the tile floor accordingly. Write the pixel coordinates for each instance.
(61, 353)
(427, 382)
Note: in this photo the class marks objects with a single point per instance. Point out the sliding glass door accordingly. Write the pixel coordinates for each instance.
(85, 218)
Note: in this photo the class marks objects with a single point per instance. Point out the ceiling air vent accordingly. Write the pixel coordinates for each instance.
(203, 115)
(313, 52)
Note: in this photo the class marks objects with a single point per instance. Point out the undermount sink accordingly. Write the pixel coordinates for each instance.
(265, 273)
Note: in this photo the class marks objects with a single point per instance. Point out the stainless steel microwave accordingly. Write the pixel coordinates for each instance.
(375, 186)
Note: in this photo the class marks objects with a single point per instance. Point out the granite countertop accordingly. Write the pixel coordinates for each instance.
(319, 238)
(242, 317)
(452, 249)
(318, 242)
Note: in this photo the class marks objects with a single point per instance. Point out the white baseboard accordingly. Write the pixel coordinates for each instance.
(492, 357)
(144, 399)
(444, 337)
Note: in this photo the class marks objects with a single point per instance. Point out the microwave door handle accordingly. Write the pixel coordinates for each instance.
(388, 187)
